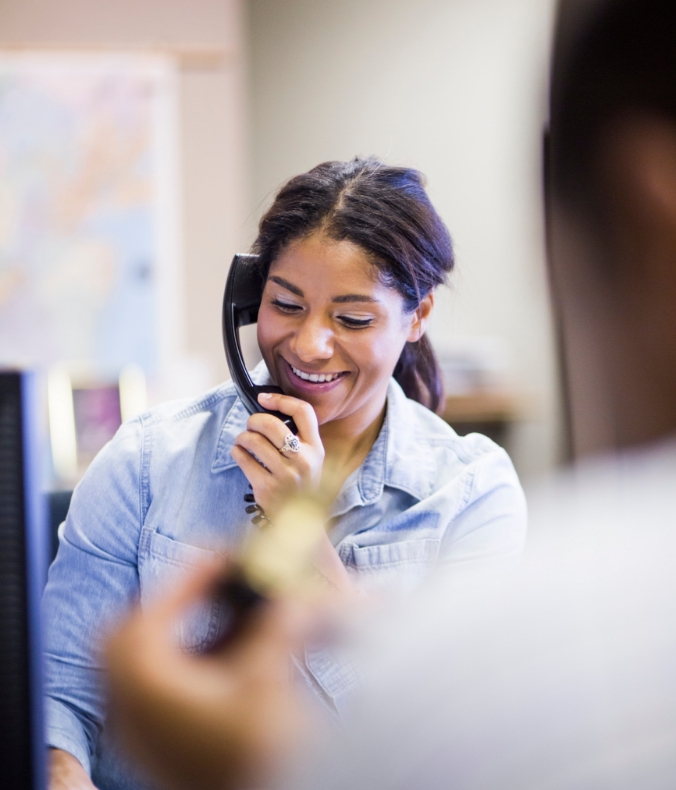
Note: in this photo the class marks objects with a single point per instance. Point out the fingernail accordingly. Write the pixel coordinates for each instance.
(265, 395)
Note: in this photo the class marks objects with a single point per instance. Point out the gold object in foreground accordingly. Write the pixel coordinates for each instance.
(278, 559)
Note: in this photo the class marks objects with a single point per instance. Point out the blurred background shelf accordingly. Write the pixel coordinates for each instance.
(490, 413)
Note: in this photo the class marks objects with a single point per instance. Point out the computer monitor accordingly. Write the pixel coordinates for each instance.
(23, 541)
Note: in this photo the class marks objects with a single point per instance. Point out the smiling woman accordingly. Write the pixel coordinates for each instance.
(345, 324)
(350, 253)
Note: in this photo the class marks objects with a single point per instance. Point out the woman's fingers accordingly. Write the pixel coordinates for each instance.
(263, 450)
(276, 475)
(303, 414)
(253, 471)
(269, 426)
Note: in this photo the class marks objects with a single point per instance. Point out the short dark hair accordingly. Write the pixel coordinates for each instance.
(387, 213)
(611, 57)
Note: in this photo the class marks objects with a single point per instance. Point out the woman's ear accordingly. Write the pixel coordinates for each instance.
(420, 317)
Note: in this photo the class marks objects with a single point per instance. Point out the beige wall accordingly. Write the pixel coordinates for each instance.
(213, 129)
(455, 88)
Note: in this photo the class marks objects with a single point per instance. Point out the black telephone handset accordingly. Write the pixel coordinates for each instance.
(242, 299)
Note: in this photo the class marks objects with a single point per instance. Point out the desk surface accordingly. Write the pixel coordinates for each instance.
(479, 407)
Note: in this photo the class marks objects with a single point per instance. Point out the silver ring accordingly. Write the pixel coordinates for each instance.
(291, 443)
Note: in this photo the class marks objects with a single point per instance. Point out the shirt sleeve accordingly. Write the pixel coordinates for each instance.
(491, 527)
(93, 578)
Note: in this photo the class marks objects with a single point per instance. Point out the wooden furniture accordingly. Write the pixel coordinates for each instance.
(490, 413)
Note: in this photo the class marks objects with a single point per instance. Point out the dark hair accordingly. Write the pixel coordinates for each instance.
(387, 213)
(611, 57)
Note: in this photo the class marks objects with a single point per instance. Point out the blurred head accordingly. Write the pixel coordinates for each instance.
(612, 217)
(351, 253)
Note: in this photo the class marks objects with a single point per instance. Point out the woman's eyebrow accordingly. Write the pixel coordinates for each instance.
(342, 299)
(286, 284)
(353, 298)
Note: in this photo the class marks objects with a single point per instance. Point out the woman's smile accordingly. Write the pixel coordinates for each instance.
(317, 378)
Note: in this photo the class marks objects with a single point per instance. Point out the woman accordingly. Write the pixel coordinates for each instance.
(351, 254)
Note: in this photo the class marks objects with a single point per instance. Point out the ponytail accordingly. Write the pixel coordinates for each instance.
(418, 374)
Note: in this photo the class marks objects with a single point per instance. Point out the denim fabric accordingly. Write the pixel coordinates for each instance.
(165, 493)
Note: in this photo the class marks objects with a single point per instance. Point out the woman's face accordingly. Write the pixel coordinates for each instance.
(330, 332)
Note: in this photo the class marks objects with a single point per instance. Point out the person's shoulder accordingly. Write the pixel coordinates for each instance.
(169, 428)
(440, 433)
(168, 417)
(217, 400)
(429, 428)
(425, 448)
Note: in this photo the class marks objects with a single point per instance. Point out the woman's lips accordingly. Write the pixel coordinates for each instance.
(311, 387)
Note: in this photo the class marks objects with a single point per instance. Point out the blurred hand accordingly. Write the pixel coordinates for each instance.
(284, 474)
(217, 721)
(66, 772)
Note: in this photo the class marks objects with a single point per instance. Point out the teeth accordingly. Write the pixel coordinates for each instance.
(315, 377)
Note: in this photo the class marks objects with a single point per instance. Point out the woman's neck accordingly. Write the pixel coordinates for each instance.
(347, 443)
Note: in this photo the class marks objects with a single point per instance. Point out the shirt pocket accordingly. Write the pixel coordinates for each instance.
(163, 560)
(335, 673)
(394, 568)
(390, 570)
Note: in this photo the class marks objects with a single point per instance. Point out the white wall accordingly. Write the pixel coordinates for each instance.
(455, 88)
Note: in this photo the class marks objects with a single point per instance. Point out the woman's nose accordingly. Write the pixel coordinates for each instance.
(313, 340)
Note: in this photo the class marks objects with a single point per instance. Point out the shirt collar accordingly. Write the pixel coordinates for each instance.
(235, 423)
(399, 458)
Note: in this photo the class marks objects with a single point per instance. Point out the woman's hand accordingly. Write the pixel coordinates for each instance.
(283, 474)
(66, 773)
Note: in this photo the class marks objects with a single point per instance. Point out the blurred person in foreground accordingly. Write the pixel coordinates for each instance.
(566, 679)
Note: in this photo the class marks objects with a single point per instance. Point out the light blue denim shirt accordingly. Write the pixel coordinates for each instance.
(165, 493)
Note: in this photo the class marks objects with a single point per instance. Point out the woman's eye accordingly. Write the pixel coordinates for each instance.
(355, 323)
(286, 307)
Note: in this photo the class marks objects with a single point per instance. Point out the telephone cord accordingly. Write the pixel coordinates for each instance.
(260, 519)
